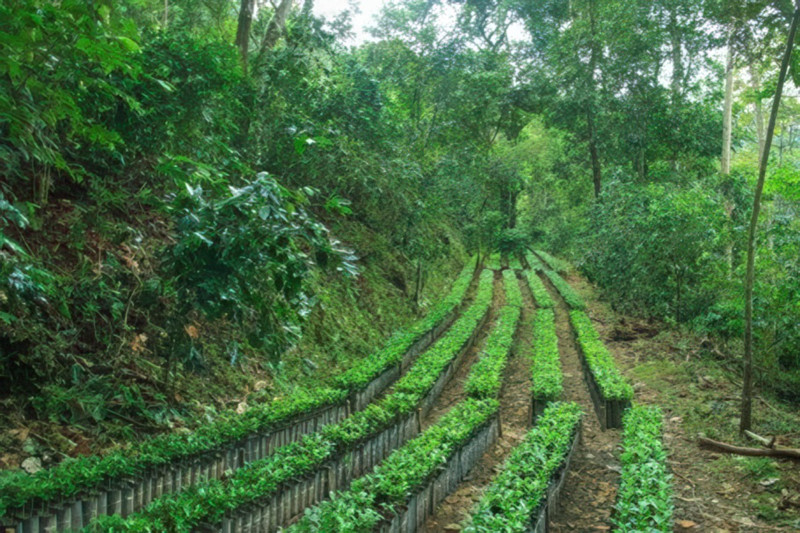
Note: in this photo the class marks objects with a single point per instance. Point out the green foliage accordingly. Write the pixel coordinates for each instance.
(513, 241)
(518, 492)
(660, 249)
(486, 375)
(546, 368)
(246, 257)
(402, 473)
(61, 65)
(540, 294)
(644, 500)
(601, 364)
(574, 301)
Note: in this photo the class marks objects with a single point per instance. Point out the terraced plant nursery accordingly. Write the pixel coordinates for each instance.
(399, 266)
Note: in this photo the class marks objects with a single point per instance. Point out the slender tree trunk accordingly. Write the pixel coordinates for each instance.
(165, 21)
(677, 59)
(677, 69)
(276, 26)
(727, 110)
(597, 176)
(755, 79)
(418, 286)
(243, 30)
(747, 381)
(596, 169)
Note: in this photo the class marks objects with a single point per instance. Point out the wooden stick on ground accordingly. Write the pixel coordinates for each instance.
(769, 443)
(783, 453)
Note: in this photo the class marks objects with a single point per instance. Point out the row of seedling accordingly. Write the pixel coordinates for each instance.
(541, 296)
(610, 391)
(138, 474)
(486, 376)
(554, 263)
(404, 490)
(572, 298)
(644, 499)
(526, 490)
(280, 486)
(546, 376)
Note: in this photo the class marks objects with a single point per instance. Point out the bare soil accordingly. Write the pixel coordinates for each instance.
(515, 401)
(590, 489)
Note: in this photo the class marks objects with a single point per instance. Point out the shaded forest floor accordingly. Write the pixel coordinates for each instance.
(699, 392)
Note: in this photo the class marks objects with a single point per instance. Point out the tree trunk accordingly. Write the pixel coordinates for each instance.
(276, 26)
(727, 111)
(747, 381)
(165, 20)
(755, 79)
(677, 59)
(418, 287)
(243, 30)
(596, 169)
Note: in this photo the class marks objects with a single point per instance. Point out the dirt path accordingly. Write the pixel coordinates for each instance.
(514, 419)
(453, 391)
(591, 486)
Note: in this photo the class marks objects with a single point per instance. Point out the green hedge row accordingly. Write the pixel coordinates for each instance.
(539, 291)
(644, 500)
(494, 262)
(430, 364)
(210, 501)
(559, 265)
(18, 489)
(534, 262)
(486, 375)
(601, 364)
(511, 288)
(516, 495)
(69, 478)
(402, 474)
(568, 293)
(546, 367)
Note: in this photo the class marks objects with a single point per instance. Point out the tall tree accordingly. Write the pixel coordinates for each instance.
(243, 27)
(727, 108)
(745, 422)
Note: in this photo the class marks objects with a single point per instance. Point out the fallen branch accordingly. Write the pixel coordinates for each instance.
(784, 453)
(769, 443)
